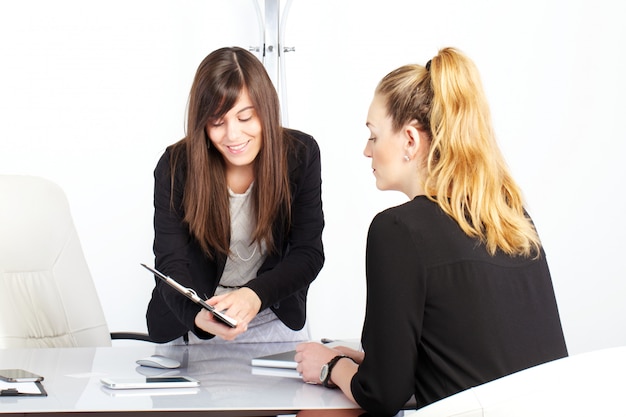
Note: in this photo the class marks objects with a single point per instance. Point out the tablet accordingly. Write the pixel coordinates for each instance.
(191, 294)
(150, 382)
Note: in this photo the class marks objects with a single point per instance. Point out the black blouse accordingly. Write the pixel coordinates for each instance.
(443, 315)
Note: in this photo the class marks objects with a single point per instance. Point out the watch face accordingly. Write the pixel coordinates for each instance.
(324, 373)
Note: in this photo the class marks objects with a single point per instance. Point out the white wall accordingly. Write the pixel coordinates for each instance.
(91, 92)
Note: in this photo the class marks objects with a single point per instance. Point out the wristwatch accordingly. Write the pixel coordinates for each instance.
(328, 368)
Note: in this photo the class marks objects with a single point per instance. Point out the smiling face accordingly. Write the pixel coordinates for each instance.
(238, 134)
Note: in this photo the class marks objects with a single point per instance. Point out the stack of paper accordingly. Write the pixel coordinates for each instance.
(8, 389)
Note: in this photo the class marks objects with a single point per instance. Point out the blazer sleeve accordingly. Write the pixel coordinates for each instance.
(172, 244)
(303, 253)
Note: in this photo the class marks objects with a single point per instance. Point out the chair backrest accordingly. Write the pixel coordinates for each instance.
(47, 295)
(582, 385)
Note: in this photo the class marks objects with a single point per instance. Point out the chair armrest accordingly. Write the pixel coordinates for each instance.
(130, 335)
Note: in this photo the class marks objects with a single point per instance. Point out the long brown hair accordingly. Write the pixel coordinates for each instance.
(219, 80)
(465, 172)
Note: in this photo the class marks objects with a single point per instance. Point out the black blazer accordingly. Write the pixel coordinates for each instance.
(282, 281)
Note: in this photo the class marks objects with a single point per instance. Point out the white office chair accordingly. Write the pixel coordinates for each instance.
(583, 385)
(47, 296)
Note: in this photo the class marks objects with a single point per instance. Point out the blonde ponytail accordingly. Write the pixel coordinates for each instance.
(465, 172)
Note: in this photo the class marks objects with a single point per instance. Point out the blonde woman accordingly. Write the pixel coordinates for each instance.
(458, 288)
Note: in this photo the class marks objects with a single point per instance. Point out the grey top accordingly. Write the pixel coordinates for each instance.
(246, 256)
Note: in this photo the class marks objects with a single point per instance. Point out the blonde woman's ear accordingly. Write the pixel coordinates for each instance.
(413, 140)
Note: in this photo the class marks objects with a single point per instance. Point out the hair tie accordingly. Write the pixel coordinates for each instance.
(428, 65)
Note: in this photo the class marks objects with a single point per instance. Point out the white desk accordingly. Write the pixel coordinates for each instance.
(228, 387)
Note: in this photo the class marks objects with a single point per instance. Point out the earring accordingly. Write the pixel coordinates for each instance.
(406, 158)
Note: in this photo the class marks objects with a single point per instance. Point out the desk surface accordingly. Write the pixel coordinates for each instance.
(228, 387)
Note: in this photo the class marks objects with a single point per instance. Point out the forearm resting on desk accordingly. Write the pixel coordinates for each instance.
(312, 356)
(342, 374)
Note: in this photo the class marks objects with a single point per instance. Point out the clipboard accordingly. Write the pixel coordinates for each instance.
(191, 294)
(22, 389)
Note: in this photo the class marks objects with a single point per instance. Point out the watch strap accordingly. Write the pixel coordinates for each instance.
(330, 365)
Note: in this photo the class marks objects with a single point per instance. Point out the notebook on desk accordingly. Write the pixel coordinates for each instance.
(283, 360)
(279, 364)
(284, 364)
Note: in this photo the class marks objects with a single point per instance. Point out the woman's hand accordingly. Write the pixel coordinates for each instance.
(204, 320)
(242, 305)
(310, 357)
(356, 355)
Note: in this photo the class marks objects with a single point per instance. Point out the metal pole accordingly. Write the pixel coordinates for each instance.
(272, 51)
